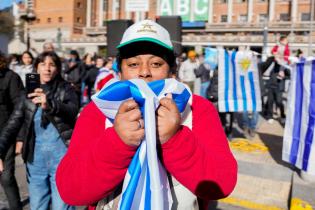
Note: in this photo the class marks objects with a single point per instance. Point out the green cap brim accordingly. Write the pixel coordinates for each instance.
(146, 39)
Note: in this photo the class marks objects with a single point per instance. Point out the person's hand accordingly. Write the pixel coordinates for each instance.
(1, 166)
(281, 74)
(168, 119)
(39, 97)
(129, 124)
(18, 147)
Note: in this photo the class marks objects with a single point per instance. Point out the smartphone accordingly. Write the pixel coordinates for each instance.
(32, 82)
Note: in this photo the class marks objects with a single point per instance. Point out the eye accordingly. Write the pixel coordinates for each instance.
(156, 64)
(132, 64)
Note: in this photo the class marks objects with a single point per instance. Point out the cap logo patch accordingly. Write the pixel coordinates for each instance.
(146, 28)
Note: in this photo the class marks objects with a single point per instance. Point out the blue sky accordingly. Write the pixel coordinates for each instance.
(6, 3)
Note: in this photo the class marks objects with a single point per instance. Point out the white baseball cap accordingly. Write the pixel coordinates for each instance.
(146, 30)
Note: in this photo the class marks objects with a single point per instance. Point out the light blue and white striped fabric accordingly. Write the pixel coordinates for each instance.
(146, 184)
(239, 88)
(299, 139)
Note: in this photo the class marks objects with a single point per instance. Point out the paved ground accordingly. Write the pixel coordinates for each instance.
(265, 182)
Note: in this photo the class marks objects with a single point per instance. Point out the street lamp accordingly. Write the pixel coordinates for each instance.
(265, 40)
(310, 53)
(59, 35)
(28, 17)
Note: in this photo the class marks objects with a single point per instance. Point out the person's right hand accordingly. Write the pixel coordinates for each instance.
(129, 124)
(1, 165)
(18, 147)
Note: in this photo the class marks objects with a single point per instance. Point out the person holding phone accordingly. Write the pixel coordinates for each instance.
(196, 154)
(46, 117)
(25, 66)
(10, 87)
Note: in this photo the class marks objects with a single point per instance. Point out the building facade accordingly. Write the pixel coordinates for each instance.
(226, 23)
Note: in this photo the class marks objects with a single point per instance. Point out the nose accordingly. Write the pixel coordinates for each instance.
(145, 71)
(47, 67)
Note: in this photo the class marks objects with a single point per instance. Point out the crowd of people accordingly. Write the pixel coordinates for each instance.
(40, 124)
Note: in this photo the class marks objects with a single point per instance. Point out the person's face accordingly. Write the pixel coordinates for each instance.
(88, 59)
(99, 62)
(284, 41)
(47, 70)
(192, 58)
(26, 59)
(48, 48)
(147, 67)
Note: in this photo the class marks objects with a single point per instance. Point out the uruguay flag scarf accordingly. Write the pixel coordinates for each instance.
(146, 184)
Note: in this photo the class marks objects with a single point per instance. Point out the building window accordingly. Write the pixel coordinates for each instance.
(223, 18)
(242, 18)
(262, 18)
(241, 1)
(79, 5)
(60, 19)
(48, 20)
(223, 1)
(79, 20)
(305, 17)
(284, 17)
(37, 20)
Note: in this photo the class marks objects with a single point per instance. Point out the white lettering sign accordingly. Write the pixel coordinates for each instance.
(183, 9)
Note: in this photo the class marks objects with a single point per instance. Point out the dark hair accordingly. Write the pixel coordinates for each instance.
(76, 54)
(3, 61)
(41, 58)
(299, 52)
(144, 47)
(29, 53)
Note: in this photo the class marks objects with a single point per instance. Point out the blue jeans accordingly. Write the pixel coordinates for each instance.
(250, 120)
(203, 89)
(41, 176)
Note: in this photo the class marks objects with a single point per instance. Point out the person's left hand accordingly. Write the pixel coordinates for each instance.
(18, 147)
(281, 74)
(39, 97)
(168, 119)
(1, 166)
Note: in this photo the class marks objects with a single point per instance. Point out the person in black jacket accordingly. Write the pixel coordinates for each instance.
(212, 95)
(204, 72)
(275, 76)
(48, 117)
(10, 87)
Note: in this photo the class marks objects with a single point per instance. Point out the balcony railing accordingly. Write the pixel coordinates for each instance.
(241, 38)
(277, 26)
(95, 30)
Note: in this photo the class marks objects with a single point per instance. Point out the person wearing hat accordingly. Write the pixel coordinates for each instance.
(186, 72)
(197, 157)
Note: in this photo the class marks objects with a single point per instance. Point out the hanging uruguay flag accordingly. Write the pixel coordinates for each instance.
(146, 183)
(238, 82)
(211, 57)
(299, 139)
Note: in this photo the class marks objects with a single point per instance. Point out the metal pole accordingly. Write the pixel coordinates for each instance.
(265, 40)
(28, 38)
(311, 30)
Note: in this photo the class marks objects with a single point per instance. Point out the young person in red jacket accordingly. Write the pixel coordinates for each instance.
(196, 155)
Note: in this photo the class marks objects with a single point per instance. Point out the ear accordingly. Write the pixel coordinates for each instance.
(119, 75)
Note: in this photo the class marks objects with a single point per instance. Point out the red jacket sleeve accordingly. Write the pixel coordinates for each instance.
(274, 49)
(286, 53)
(200, 158)
(96, 161)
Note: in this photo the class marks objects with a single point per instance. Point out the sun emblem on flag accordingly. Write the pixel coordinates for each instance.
(245, 64)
